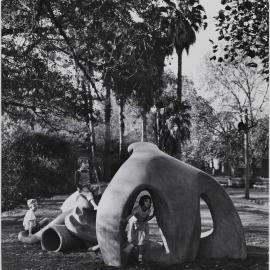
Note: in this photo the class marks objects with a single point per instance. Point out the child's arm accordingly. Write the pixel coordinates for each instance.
(133, 214)
(150, 216)
(126, 219)
(31, 226)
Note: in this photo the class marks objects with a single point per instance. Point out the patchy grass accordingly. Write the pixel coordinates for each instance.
(16, 255)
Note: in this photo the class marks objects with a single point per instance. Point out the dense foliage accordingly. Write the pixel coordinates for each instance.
(35, 165)
(92, 72)
(244, 26)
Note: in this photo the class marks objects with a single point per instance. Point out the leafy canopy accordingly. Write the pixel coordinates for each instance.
(244, 26)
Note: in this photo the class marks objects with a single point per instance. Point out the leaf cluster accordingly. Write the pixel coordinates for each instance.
(244, 26)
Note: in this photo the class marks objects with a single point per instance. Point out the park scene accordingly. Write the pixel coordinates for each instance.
(135, 134)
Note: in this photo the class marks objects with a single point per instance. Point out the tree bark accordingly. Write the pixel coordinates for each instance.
(92, 141)
(179, 75)
(88, 106)
(158, 127)
(144, 125)
(246, 145)
(107, 146)
(179, 97)
(121, 127)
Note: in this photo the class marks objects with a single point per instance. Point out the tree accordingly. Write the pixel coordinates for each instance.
(237, 87)
(151, 44)
(172, 117)
(187, 19)
(239, 91)
(59, 29)
(184, 20)
(244, 27)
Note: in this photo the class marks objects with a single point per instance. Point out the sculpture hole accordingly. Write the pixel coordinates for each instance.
(207, 224)
(51, 240)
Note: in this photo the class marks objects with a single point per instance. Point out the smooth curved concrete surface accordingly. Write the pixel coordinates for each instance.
(70, 202)
(175, 188)
(82, 220)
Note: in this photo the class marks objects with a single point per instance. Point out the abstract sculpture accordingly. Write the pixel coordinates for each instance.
(176, 189)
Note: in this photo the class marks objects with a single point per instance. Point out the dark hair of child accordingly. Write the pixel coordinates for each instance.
(143, 199)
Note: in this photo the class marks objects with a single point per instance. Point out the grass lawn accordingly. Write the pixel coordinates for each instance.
(253, 213)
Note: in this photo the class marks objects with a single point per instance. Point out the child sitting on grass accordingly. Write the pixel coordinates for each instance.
(30, 223)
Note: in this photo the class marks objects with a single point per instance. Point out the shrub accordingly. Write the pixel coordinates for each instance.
(36, 165)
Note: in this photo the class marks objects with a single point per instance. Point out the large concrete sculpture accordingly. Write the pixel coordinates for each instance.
(176, 189)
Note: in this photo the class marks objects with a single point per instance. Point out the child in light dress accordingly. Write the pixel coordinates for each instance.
(30, 223)
(138, 232)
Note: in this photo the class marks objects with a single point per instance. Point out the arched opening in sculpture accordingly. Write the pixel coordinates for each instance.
(207, 223)
(156, 243)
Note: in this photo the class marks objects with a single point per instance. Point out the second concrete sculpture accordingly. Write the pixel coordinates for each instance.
(176, 189)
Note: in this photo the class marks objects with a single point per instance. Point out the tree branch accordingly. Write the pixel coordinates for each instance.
(75, 56)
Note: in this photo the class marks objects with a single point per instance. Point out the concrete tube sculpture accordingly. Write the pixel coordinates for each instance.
(74, 228)
(176, 189)
(35, 238)
(77, 229)
(58, 238)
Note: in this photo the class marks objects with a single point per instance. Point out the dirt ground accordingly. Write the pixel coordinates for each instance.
(253, 213)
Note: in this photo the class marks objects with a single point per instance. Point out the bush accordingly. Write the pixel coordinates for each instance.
(36, 165)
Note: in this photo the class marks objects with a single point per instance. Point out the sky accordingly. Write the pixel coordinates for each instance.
(198, 51)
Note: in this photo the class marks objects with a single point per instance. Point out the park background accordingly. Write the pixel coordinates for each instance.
(84, 79)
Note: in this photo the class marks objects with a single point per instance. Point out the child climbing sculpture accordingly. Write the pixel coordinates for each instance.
(30, 223)
(82, 182)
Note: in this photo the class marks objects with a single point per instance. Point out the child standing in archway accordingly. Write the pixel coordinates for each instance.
(138, 231)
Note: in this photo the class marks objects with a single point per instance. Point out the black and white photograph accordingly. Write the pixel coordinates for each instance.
(134, 134)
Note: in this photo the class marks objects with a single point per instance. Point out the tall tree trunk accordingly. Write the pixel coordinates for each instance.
(179, 75)
(107, 146)
(121, 127)
(158, 127)
(228, 156)
(91, 151)
(88, 107)
(92, 138)
(179, 150)
(179, 97)
(213, 167)
(144, 125)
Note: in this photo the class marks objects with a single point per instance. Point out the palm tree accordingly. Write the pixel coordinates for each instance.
(175, 127)
(187, 19)
(184, 37)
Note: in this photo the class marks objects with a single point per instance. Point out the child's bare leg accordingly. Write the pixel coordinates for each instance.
(141, 239)
(140, 253)
(44, 222)
(94, 204)
(164, 241)
(90, 198)
(94, 248)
